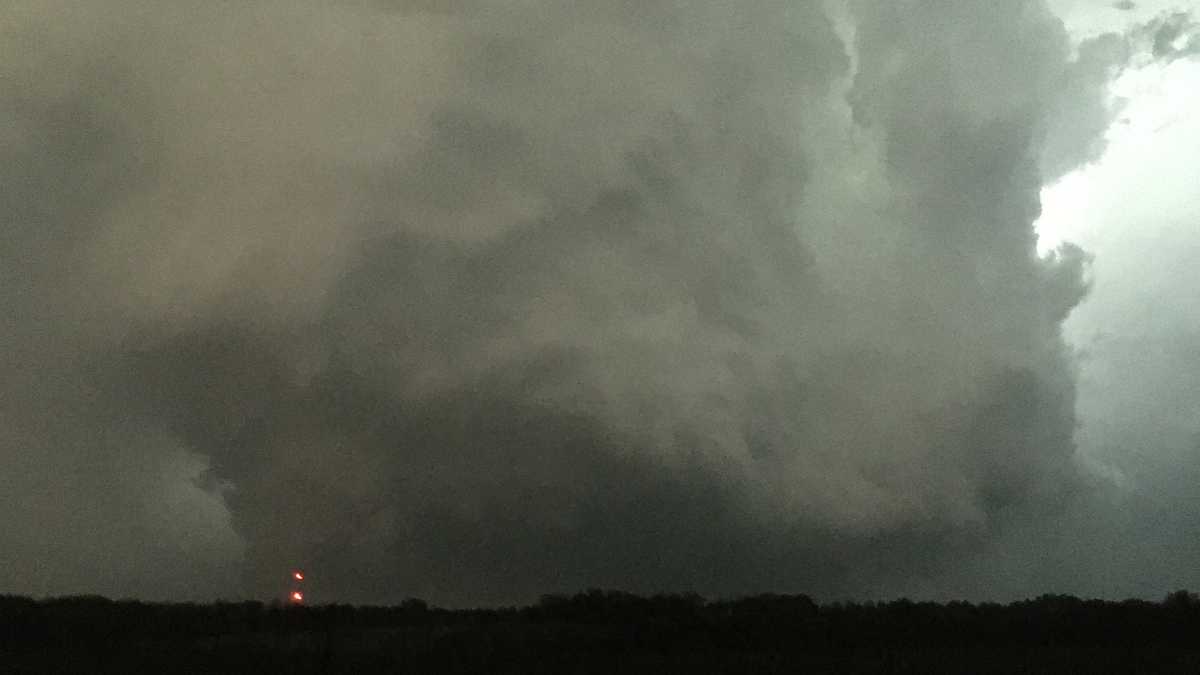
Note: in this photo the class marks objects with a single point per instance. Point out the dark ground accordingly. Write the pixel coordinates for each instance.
(604, 632)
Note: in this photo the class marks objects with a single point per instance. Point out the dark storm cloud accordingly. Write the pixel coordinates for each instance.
(480, 300)
(85, 494)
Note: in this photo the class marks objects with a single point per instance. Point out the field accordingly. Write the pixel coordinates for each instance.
(604, 632)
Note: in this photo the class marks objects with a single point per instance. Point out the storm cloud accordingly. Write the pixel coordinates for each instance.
(479, 300)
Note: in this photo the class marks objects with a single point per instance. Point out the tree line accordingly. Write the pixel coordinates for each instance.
(603, 629)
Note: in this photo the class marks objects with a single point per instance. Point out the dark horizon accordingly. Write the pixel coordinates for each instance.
(598, 631)
(1172, 598)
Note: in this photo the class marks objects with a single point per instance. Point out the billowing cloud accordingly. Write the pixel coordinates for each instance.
(480, 300)
(1174, 36)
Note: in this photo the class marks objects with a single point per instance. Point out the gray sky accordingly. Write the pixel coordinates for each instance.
(480, 300)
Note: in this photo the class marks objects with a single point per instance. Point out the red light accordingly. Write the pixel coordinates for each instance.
(297, 596)
(298, 575)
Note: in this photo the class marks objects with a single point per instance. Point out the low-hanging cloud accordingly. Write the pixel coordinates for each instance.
(476, 300)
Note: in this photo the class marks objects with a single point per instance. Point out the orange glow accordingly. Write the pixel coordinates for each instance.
(297, 596)
(298, 575)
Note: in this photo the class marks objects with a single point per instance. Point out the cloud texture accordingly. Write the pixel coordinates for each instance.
(478, 300)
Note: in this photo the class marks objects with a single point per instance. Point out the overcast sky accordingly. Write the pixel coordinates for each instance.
(475, 300)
